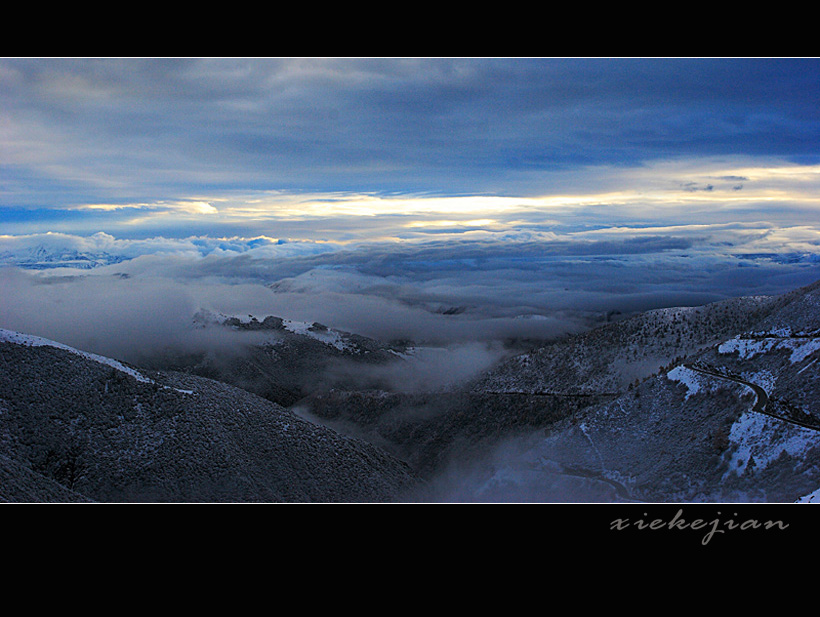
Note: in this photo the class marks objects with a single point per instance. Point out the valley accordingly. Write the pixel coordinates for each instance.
(719, 402)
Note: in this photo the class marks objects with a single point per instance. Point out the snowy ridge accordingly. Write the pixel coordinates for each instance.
(314, 330)
(318, 332)
(44, 257)
(10, 336)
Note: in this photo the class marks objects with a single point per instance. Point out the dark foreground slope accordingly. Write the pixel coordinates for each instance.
(76, 427)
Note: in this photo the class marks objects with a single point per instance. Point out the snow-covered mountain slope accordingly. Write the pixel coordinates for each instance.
(735, 420)
(76, 426)
(609, 358)
(666, 440)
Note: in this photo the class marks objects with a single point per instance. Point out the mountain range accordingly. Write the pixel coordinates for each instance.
(41, 257)
(709, 403)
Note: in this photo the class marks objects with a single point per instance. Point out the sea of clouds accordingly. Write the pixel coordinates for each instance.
(453, 290)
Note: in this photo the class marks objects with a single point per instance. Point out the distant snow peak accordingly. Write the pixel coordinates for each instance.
(42, 257)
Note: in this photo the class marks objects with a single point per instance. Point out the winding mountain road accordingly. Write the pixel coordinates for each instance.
(761, 406)
(762, 396)
(762, 401)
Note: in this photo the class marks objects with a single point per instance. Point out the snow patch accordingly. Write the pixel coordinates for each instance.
(764, 379)
(688, 378)
(325, 335)
(761, 438)
(810, 498)
(748, 348)
(802, 352)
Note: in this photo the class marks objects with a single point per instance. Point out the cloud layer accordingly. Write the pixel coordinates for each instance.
(119, 131)
(448, 200)
(456, 290)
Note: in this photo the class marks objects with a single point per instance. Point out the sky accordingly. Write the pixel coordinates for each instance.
(375, 193)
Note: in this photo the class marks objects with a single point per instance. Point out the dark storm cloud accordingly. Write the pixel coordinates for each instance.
(118, 130)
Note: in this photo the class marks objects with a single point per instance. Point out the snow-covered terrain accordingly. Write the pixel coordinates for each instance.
(343, 341)
(756, 440)
(319, 333)
(48, 258)
(729, 411)
(611, 357)
(695, 382)
(800, 347)
(697, 404)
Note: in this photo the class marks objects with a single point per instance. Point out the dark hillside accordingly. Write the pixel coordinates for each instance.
(75, 428)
